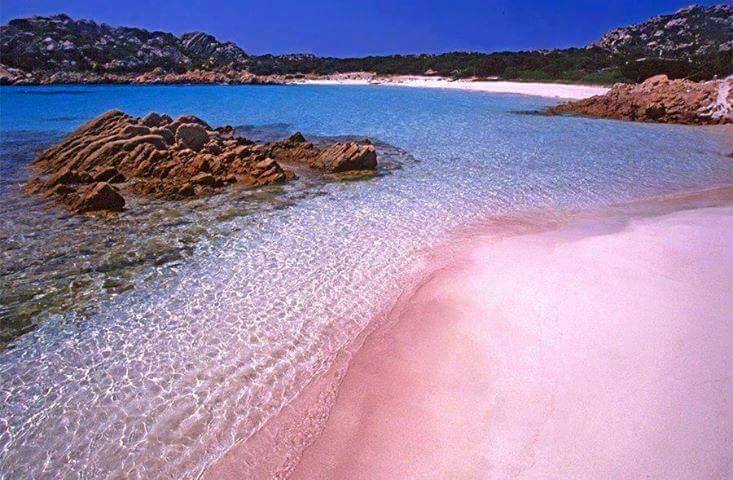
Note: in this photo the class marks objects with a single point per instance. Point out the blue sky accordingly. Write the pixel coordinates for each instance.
(367, 27)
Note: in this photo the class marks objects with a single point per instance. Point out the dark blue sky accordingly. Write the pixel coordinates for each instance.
(364, 27)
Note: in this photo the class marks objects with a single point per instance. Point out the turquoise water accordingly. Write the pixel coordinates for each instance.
(242, 299)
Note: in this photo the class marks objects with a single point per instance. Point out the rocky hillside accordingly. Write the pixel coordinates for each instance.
(690, 32)
(694, 43)
(60, 43)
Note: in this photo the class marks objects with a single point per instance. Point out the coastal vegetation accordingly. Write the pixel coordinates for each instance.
(582, 65)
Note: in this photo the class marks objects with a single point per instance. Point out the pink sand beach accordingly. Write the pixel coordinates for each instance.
(539, 89)
(599, 349)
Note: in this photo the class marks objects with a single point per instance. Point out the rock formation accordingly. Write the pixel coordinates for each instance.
(338, 158)
(61, 50)
(60, 43)
(659, 99)
(344, 157)
(690, 32)
(156, 155)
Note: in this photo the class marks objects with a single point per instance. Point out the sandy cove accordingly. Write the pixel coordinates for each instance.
(551, 90)
(600, 349)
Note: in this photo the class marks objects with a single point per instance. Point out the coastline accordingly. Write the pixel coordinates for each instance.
(540, 89)
(532, 374)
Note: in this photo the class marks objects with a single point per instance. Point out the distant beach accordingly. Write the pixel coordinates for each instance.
(539, 89)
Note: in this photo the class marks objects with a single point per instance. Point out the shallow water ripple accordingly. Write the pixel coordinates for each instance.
(161, 379)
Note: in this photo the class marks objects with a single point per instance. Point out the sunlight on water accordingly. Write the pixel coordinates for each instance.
(161, 379)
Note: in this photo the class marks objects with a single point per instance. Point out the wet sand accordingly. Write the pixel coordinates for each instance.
(551, 356)
(600, 349)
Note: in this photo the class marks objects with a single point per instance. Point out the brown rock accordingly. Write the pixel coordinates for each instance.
(293, 151)
(656, 80)
(156, 141)
(343, 157)
(99, 196)
(183, 119)
(173, 126)
(65, 176)
(152, 119)
(187, 190)
(172, 159)
(266, 172)
(226, 130)
(192, 136)
(659, 99)
(264, 166)
(201, 164)
(108, 174)
(297, 137)
(205, 179)
(289, 174)
(60, 189)
(166, 133)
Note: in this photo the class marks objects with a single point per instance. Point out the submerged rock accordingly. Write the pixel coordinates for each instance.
(268, 171)
(336, 158)
(344, 157)
(659, 99)
(97, 197)
(173, 159)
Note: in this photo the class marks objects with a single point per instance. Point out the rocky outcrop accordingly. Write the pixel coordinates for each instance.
(224, 76)
(11, 76)
(346, 157)
(59, 43)
(690, 32)
(337, 158)
(93, 167)
(659, 99)
(191, 135)
(62, 50)
(100, 196)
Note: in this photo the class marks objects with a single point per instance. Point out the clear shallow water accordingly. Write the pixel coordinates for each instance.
(159, 379)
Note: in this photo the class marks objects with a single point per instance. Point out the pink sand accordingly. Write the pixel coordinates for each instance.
(551, 355)
(540, 89)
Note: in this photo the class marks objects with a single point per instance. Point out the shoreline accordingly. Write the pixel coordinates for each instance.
(390, 384)
(540, 89)
(544, 356)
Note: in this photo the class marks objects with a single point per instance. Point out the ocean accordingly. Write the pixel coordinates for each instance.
(147, 345)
